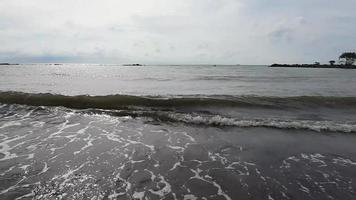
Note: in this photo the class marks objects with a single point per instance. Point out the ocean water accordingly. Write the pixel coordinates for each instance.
(176, 132)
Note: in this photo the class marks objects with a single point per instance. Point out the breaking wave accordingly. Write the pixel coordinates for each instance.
(123, 101)
(218, 120)
(177, 109)
(221, 121)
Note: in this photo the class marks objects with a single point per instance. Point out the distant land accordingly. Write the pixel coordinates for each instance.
(346, 61)
(135, 64)
(314, 66)
(8, 64)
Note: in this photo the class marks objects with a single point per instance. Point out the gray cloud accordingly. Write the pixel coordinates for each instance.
(172, 31)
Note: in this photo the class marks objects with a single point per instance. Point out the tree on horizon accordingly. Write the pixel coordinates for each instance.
(348, 57)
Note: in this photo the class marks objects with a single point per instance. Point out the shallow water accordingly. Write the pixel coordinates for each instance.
(52, 153)
(197, 137)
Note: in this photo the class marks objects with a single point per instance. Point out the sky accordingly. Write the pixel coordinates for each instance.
(176, 31)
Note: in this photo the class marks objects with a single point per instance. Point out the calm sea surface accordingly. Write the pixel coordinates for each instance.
(177, 132)
(177, 80)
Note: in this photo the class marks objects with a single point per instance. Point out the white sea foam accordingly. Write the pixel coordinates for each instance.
(6, 148)
(165, 190)
(11, 123)
(217, 120)
(138, 195)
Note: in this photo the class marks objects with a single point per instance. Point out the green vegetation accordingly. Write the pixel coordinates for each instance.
(348, 58)
(346, 61)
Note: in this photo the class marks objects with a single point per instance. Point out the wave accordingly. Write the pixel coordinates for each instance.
(191, 117)
(218, 120)
(221, 121)
(125, 101)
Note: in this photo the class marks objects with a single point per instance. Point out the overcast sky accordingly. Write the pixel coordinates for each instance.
(176, 31)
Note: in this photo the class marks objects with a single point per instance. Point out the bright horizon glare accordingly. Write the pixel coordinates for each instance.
(176, 31)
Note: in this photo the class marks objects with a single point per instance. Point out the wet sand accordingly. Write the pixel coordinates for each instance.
(59, 153)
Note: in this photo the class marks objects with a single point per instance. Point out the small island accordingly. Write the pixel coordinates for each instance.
(346, 61)
(8, 64)
(135, 64)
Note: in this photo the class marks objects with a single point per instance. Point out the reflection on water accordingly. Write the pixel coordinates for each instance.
(74, 79)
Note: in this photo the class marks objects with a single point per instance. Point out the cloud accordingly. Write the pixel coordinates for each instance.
(286, 31)
(172, 31)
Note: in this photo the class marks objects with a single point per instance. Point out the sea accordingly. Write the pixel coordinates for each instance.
(91, 131)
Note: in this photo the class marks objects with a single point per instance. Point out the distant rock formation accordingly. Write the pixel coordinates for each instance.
(8, 64)
(136, 64)
(317, 65)
(346, 60)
